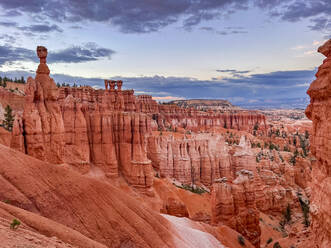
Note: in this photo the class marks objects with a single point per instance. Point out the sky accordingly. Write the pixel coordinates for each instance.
(255, 53)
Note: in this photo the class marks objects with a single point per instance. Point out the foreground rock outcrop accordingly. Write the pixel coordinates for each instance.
(319, 111)
(86, 212)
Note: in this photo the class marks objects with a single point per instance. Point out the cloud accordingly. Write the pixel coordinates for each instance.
(167, 98)
(75, 54)
(233, 73)
(130, 16)
(145, 16)
(35, 28)
(7, 38)
(226, 31)
(41, 28)
(9, 54)
(8, 24)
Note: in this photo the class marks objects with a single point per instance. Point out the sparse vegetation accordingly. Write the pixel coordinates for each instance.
(193, 189)
(277, 245)
(288, 214)
(305, 210)
(293, 158)
(15, 224)
(286, 149)
(306, 134)
(241, 240)
(9, 119)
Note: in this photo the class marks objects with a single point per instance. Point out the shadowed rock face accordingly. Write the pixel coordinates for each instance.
(319, 111)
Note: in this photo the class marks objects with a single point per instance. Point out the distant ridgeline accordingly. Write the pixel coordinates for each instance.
(205, 104)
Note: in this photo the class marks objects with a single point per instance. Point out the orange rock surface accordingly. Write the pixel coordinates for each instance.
(107, 163)
(97, 211)
(319, 111)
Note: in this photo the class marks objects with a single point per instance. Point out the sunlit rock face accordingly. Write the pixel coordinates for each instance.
(233, 204)
(59, 127)
(319, 111)
(109, 128)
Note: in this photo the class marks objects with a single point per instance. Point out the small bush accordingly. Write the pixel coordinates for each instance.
(196, 190)
(277, 245)
(287, 214)
(269, 240)
(241, 240)
(15, 224)
(305, 210)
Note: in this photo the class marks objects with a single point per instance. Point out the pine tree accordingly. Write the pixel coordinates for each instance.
(22, 80)
(9, 118)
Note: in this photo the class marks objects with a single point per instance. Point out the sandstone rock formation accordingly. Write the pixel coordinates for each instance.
(109, 128)
(86, 212)
(80, 133)
(319, 111)
(233, 204)
(112, 134)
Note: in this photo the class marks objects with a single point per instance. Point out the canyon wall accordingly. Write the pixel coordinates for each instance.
(319, 111)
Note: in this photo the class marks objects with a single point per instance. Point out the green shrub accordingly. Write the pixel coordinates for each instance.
(241, 240)
(9, 118)
(15, 224)
(196, 189)
(287, 214)
(269, 240)
(277, 245)
(305, 210)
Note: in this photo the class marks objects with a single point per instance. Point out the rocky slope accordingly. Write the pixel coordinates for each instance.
(319, 112)
(99, 213)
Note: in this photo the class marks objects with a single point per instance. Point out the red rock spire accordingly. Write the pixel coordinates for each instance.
(42, 54)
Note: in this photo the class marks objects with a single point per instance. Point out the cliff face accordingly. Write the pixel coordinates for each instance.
(198, 159)
(192, 119)
(233, 204)
(319, 111)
